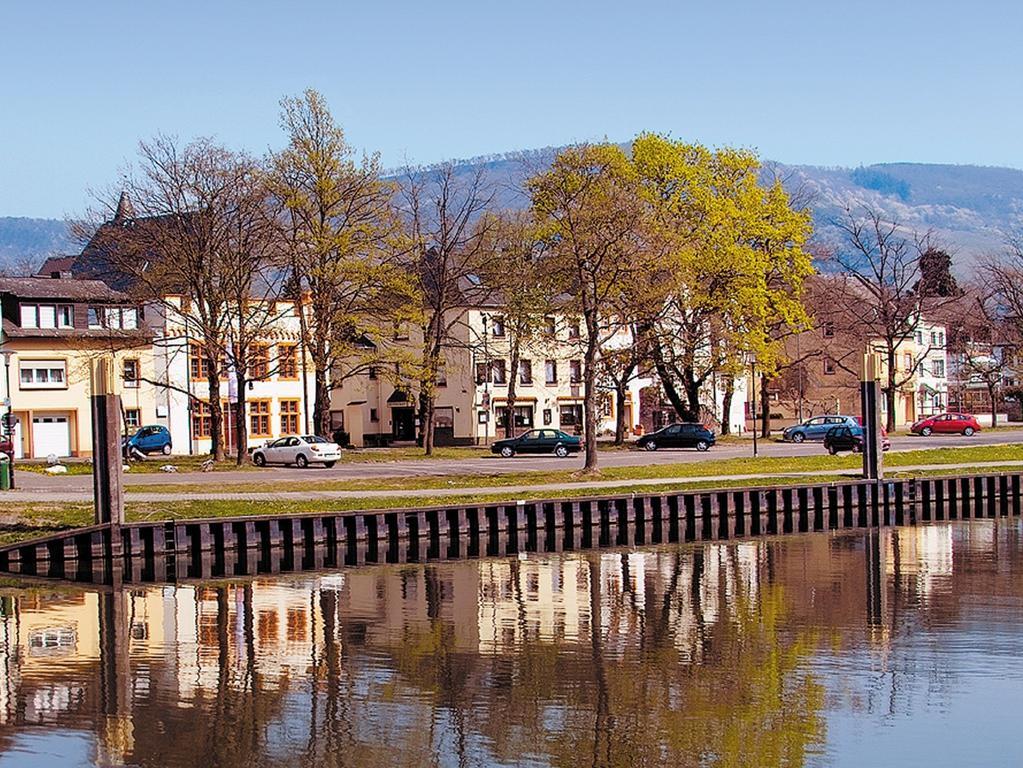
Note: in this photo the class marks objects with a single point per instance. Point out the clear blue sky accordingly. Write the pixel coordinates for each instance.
(831, 83)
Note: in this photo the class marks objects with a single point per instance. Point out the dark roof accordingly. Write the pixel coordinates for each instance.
(55, 265)
(69, 289)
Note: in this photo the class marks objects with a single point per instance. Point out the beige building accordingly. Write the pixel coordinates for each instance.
(54, 328)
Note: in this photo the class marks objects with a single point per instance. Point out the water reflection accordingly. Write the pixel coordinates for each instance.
(796, 651)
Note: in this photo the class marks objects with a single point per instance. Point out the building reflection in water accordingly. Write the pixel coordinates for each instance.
(709, 654)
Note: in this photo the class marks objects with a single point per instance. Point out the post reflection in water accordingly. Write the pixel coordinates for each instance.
(795, 651)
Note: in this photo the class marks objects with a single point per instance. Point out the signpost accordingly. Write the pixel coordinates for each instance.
(870, 410)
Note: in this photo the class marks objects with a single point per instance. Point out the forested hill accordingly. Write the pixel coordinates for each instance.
(26, 242)
(971, 209)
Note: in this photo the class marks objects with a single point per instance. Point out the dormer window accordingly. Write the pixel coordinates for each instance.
(118, 318)
(47, 316)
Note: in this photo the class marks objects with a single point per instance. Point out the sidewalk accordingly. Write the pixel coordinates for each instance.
(57, 497)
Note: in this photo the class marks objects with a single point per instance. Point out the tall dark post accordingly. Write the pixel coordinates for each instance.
(107, 488)
(873, 468)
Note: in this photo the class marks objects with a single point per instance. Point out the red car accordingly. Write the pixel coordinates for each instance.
(946, 424)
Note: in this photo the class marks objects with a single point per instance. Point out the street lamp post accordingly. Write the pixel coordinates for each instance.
(753, 402)
(9, 419)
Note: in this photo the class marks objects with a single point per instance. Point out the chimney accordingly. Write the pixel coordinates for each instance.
(124, 211)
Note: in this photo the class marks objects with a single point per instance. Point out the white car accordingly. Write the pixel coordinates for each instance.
(300, 451)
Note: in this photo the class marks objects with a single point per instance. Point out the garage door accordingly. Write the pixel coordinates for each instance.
(50, 435)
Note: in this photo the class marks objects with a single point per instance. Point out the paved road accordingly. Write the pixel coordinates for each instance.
(509, 491)
(486, 464)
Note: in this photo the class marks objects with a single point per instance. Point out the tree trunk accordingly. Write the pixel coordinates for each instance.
(216, 412)
(890, 393)
(726, 405)
(765, 408)
(513, 380)
(590, 399)
(241, 425)
(994, 405)
(621, 390)
(692, 387)
(668, 385)
(321, 404)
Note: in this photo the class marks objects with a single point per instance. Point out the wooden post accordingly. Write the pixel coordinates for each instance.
(108, 490)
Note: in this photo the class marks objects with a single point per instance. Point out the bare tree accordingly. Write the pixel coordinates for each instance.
(878, 300)
(451, 242)
(167, 237)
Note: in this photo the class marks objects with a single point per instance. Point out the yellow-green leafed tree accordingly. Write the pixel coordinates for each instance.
(344, 244)
(591, 219)
(731, 264)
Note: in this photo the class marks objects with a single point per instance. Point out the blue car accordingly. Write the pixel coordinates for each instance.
(817, 427)
(149, 439)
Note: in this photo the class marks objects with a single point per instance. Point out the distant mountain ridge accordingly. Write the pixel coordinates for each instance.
(27, 242)
(970, 209)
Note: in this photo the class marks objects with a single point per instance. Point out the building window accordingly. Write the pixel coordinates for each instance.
(131, 372)
(938, 368)
(202, 419)
(548, 417)
(119, 318)
(46, 316)
(572, 415)
(550, 326)
(287, 361)
(442, 375)
(289, 417)
(481, 372)
(259, 361)
(198, 365)
(575, 371)
(500, 372)
(829, 330)
(573, 329)
(95, 318)
(498, 327)
(374, 372)
(43, 374)
(373, 415)
(941, 339)
(550, 368)
(523, 416)
(259, 418)
(829, 366)
(920, 338)
(908, 360)
(132, 419)
(525, 371)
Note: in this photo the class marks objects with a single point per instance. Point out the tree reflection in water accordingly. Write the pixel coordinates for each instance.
(680, 656)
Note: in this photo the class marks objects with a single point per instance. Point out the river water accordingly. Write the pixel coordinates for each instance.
(902, 647)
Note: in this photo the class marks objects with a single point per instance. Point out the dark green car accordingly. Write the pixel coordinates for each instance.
(538, 441)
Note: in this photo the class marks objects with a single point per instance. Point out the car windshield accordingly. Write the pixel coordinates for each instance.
(314, 439)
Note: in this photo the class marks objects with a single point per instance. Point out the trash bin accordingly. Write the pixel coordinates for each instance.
(5, 472)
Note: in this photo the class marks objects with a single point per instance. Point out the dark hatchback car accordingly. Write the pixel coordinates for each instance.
(678, 436)
(538, 441)
(850, 438)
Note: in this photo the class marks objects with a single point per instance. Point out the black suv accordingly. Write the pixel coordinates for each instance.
(678, 436)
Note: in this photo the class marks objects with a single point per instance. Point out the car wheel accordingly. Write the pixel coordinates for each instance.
(926, 431)
(833, 451)
(702, 446)
(329, 464)
(798, 437)
(968, 431)
(166, 450)
(857, 448)
(560, 451)
(507, 452)
(259, 460)
(301, 461)
(650, 445)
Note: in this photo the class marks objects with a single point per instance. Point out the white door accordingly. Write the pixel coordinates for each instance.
(50, 435)
(19, 450)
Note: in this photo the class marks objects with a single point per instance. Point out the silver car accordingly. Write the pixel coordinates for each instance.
(298, 450)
